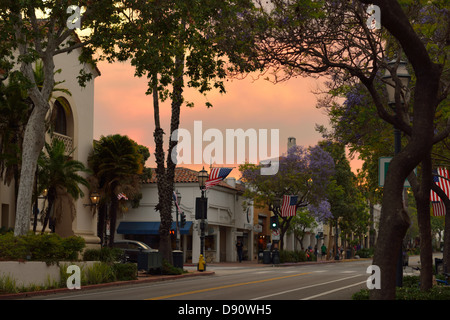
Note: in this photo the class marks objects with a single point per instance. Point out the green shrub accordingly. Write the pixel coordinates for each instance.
(365, 253)
(48, 247)
(105, 254)
(125, 271)
(292, 256)
(411, 291)
(100, 272)
(168, 268)
(72, 247)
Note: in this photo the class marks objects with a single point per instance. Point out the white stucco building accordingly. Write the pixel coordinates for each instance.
(227, 220)
(74, 124)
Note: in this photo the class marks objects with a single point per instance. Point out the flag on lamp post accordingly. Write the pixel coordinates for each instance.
(216, 176)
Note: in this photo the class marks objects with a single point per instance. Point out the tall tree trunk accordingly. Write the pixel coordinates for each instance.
(446, 253)
(166, 176)
(48, 212)
(424, 222)
(372, 231)
(101, 219)
(422, 196)
(163, 203)
(113, 214)
(32, 146)
(34, 136)
(394, 219)
(446, 200)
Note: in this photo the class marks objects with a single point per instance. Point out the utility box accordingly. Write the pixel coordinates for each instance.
(149, 261)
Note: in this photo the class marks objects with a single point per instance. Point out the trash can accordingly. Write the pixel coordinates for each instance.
(177, 259)
(439, 265)
(260, 256)
(348, 254)
(149, 260)
(266, 257)
(276, 257)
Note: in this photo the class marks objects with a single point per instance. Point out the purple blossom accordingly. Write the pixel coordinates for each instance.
(321, 211)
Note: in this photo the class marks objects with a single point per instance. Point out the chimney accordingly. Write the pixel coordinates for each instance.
(291, 142)
(231, 182)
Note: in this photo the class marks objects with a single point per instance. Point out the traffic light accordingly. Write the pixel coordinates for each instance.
(183, 219)
(274, 222)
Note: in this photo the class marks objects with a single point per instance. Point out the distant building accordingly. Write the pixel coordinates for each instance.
(228, 221)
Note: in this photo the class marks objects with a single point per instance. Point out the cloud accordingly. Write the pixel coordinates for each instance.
(121, 106)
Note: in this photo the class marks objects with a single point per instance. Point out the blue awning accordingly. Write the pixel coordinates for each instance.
(144, 227)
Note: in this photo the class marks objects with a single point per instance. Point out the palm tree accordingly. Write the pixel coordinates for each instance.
(15, 109)
(117, 164)
(59, 174)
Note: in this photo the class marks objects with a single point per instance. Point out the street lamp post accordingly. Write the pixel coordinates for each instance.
(202, 177)
(178, 200)
(391, 88)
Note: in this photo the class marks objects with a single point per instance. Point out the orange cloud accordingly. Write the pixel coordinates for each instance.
(121, 106)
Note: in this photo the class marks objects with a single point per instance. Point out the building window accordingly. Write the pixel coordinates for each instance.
(60, 120)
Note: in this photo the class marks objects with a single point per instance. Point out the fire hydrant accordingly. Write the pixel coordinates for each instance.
(201, 263)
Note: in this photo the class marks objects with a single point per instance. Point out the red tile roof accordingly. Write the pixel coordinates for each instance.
(185, 175)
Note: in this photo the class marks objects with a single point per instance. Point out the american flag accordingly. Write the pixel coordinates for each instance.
(444, 184)
(289, 206)
(216, 175)
(438, 209)
(122, 196)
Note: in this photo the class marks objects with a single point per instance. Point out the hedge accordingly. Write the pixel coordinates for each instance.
(48, 247)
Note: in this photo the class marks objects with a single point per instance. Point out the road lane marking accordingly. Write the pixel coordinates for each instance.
(302, 288)
(226, 286)
(334, 290)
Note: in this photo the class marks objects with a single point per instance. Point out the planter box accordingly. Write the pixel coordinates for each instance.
(35, 272)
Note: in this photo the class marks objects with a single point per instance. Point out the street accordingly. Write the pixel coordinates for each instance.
(326, 281)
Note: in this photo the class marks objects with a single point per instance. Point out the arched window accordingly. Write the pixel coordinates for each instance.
(59, 118)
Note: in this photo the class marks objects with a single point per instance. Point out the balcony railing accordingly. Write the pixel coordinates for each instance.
(68, 141)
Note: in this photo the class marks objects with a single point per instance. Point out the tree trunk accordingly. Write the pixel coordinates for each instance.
(101, 219)
(165, 177)
(34, 136)
(164, 205)
(446, 253)
(113, 214)
(32, 146)
(48, 212)
(446, 250)
(424, 222)
(372, 231)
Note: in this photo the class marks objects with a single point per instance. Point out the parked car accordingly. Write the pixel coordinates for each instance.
(132, 248)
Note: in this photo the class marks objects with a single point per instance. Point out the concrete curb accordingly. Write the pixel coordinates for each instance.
(145, 279)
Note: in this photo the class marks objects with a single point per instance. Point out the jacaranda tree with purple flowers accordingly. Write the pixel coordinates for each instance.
(305, 172)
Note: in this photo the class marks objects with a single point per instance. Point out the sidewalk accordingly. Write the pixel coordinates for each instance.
(256, 264)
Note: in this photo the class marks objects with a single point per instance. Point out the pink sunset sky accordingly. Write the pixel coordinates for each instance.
(122, 107)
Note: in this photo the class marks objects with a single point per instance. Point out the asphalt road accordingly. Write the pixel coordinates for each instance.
(331, 281)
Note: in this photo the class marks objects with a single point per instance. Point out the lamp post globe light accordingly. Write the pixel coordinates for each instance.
(202, 177)
(404, 77)
(391, 88)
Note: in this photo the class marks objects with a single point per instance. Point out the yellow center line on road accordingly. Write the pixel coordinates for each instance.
(225, 287)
